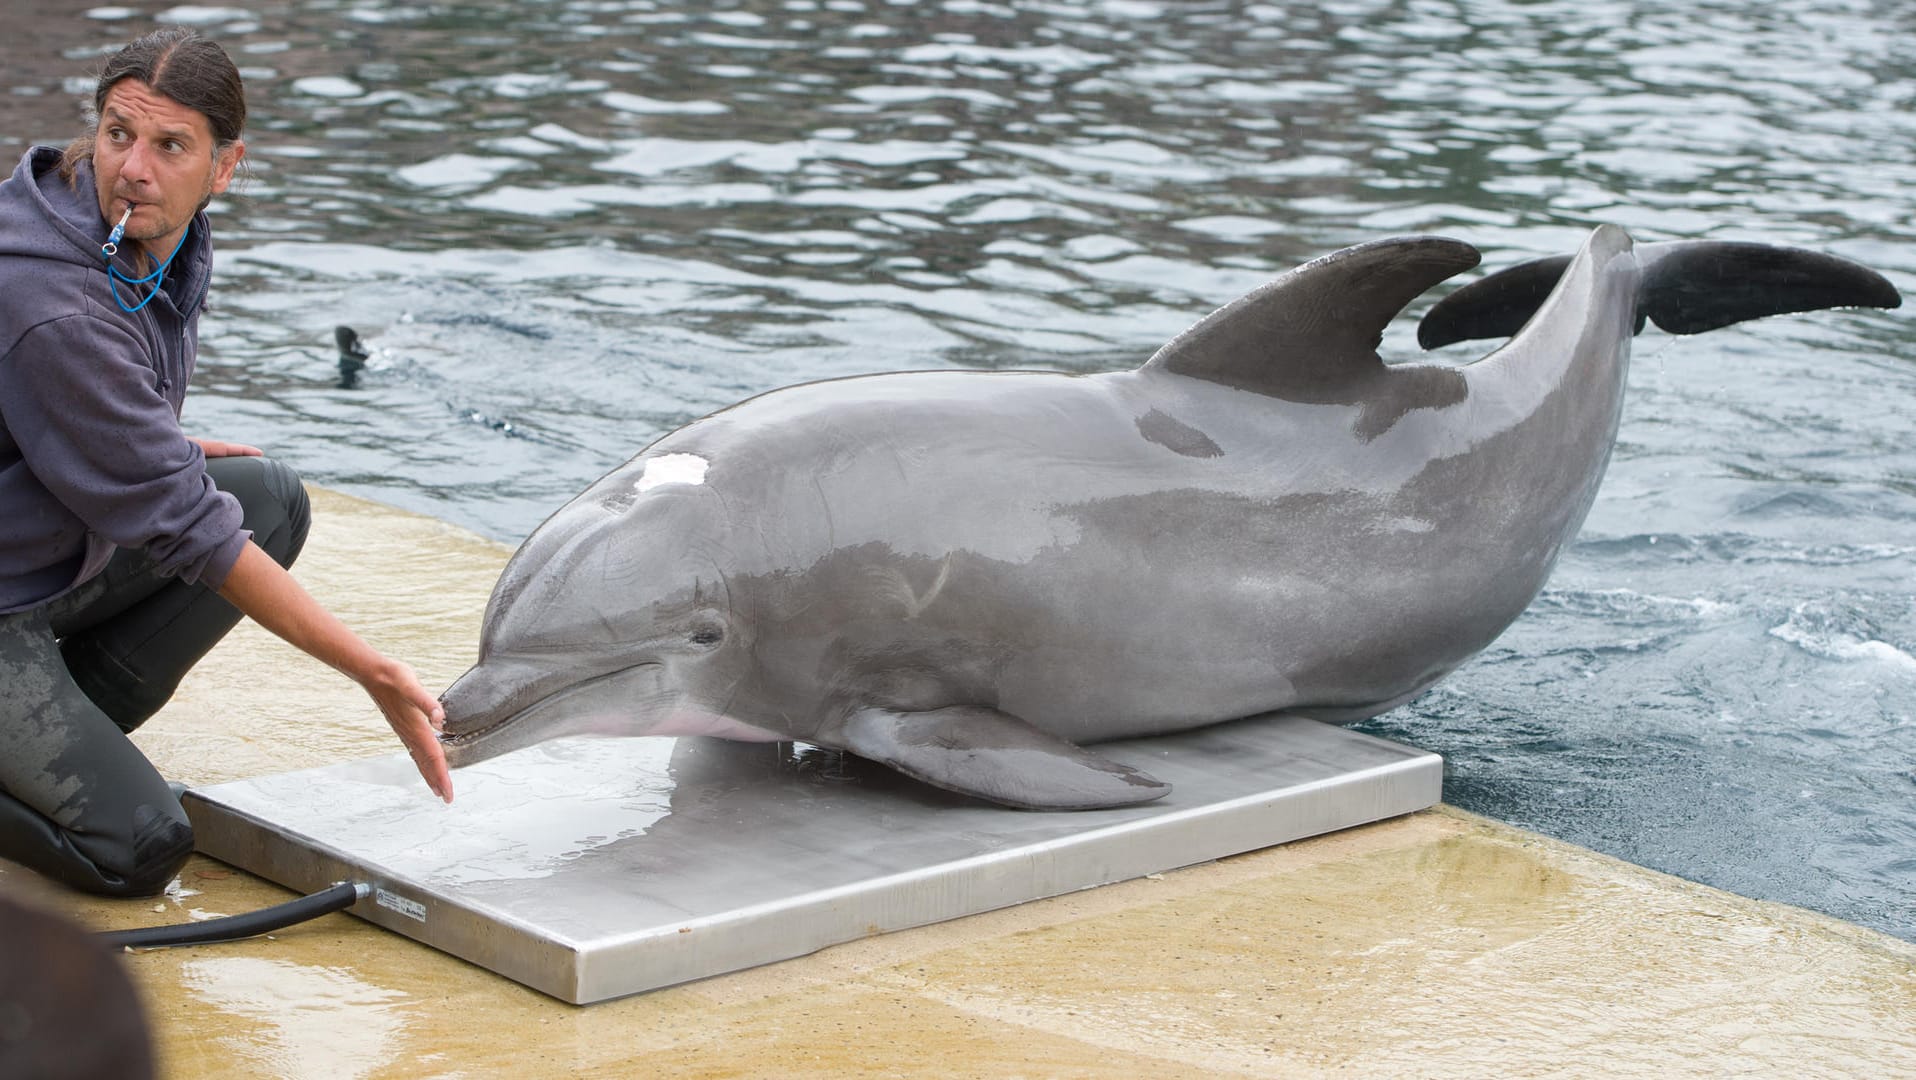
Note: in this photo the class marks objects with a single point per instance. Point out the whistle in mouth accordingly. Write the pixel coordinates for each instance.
(112, 244)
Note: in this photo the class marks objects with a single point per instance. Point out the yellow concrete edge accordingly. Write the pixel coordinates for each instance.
(1439, 944)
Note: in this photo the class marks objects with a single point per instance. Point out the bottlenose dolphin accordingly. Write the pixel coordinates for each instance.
(965, 575)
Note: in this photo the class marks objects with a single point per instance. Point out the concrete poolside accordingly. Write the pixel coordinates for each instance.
(1432, 945)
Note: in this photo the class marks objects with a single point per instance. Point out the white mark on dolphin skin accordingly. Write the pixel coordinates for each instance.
(897, 587)
(672, 469)
(1403, 524)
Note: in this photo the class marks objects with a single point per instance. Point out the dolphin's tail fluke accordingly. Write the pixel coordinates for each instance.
(1688, 286)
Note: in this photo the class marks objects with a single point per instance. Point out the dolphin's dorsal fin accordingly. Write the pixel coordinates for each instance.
(1315, 330)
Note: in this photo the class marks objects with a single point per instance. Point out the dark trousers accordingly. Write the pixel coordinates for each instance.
(78, 801)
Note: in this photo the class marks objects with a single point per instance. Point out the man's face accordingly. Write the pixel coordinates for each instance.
(156, 155)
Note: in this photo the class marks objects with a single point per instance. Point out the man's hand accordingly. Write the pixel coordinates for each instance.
(416, 717)
(263, 590)
(215, 448)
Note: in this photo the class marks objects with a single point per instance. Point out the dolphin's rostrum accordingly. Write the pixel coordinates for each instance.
(967, 575)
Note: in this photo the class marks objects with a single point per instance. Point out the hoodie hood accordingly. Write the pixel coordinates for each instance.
(45, 217)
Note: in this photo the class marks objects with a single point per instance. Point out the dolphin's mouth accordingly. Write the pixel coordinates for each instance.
(460, 740)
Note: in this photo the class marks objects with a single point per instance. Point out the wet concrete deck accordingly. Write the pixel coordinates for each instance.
(1439, 944)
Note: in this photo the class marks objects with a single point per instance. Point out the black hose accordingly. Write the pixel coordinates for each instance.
(238, 927)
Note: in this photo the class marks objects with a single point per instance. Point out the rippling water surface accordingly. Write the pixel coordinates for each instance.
(566, 228)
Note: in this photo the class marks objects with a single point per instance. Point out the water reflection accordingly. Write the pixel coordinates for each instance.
(300, 1021)
(565, 228)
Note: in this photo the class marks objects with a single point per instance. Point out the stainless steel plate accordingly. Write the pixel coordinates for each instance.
(591, 869)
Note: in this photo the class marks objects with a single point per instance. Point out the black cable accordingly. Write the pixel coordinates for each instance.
(237, 927)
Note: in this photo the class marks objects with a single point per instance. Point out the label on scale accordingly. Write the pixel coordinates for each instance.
(391, 901)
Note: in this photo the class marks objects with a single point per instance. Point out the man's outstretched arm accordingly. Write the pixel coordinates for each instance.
(266, 593)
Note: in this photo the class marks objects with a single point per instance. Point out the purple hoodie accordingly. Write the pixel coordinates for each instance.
(91, 453)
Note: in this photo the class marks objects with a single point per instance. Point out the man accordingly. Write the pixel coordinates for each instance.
(125, 545)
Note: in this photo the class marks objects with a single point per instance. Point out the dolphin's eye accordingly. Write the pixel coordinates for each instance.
(708, 635)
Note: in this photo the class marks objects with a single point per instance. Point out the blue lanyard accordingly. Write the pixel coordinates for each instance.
(115, 279)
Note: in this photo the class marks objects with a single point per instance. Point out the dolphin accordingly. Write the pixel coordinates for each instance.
(967, 575)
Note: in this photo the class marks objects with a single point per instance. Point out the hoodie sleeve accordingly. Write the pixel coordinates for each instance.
(96, 431)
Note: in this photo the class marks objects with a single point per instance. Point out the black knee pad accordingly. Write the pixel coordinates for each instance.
(162, 842)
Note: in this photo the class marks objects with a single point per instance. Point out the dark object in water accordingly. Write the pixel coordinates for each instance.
(352, 356)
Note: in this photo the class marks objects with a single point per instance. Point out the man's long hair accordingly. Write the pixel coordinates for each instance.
(178, 64)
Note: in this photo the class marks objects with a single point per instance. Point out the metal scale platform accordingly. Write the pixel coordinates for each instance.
(592, 869)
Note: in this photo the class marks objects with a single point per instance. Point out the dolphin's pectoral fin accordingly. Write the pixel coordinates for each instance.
(1687, 287)
(1312, 334)
(995, 756)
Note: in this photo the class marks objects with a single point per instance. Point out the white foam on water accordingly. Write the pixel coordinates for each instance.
(1833, 644)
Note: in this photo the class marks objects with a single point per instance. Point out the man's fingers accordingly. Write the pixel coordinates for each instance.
(418, 729)
(431, 763)
(215, 448)
(435, 713)
(430, 759)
